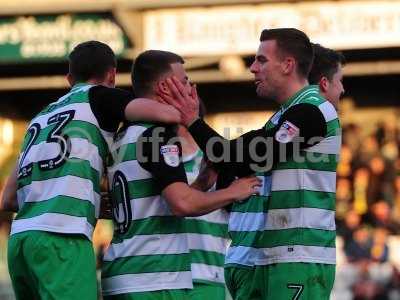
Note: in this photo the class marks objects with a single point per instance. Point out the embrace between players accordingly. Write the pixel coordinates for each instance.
(273, 196)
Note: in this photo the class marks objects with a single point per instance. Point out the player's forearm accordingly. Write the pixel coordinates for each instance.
(142, 109)
(199, 203)
(185, 201)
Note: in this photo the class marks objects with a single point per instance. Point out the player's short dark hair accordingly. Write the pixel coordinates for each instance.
(149, 66)
(326, 63)
(91, 60)
(293, 42)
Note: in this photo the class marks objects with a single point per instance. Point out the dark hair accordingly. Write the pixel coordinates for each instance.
(149, 66)
(91, 60)
(326, 63)
(293, 42)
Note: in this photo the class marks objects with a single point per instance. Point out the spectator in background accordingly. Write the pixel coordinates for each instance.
(352, 137)
(368, 150)
(358, 248)
(379, 216)
(396, 202)
(345, 165)
(377, 171)
(343, 198)
(360, 186)
(376, 274)
(351, 223)
(379, 249)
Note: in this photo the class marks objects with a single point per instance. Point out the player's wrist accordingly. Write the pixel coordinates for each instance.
(191, 121)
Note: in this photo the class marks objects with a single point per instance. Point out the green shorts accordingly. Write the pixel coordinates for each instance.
(294, 281)
(154, 295)
(205, 291)
(46, 265)
(239, 281)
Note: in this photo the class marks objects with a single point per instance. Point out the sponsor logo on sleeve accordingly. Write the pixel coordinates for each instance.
(170, 154)
(287, 132)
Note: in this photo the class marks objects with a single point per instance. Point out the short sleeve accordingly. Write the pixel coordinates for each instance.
(108, 106)
(160, 153)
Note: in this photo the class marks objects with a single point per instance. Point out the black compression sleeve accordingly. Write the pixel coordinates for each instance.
(108, 106)
(261, 148)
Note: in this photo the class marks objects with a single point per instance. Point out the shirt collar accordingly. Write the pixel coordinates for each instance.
(78, 85)
(299, 95)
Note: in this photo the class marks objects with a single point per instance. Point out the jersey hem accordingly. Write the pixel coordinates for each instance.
(149, 288)
(299, 259)
(51, 229)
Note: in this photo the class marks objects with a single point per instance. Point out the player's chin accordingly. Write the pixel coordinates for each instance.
(265, 95)
(260, 91)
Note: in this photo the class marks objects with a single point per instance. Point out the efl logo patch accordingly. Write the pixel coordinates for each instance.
(287, 132)
(170, 154)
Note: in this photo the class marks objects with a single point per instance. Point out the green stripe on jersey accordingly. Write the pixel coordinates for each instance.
(210, 258)
(190, 166)
(72, 167)
(79, 97)
(288, 199)
(310, 161)
(152, 225)
(147, 264)
(304, 198)
(140, 188)
(275, 238)
(204, 227)
(333, 128)
(62, 205)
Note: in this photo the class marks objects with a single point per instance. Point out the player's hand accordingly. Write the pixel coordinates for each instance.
(186, 103)
(245, 187)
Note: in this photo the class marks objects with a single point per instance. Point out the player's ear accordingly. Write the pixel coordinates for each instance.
(110, 77)
(324, 84)
(288, 65)
(162, 87)
(70, 79)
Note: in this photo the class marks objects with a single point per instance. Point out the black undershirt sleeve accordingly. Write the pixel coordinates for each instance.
(259, 150)
(160, 153)
(108, 106)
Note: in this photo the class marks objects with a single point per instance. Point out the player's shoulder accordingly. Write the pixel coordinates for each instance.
(303, 109)
(159, 129)
(101, 91)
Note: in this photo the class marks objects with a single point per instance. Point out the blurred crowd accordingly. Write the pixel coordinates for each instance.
(368, 211)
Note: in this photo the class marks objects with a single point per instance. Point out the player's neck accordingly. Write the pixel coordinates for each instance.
(189, 146)
(100, 82)
(290, 90)
(149, 95)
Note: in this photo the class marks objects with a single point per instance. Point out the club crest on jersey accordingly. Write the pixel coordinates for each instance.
(170, 154)
(287, 132)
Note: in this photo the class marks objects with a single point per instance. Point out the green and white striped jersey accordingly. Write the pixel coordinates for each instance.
(60, 168)
(293, 219)
(207, 234)
(149, 250)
